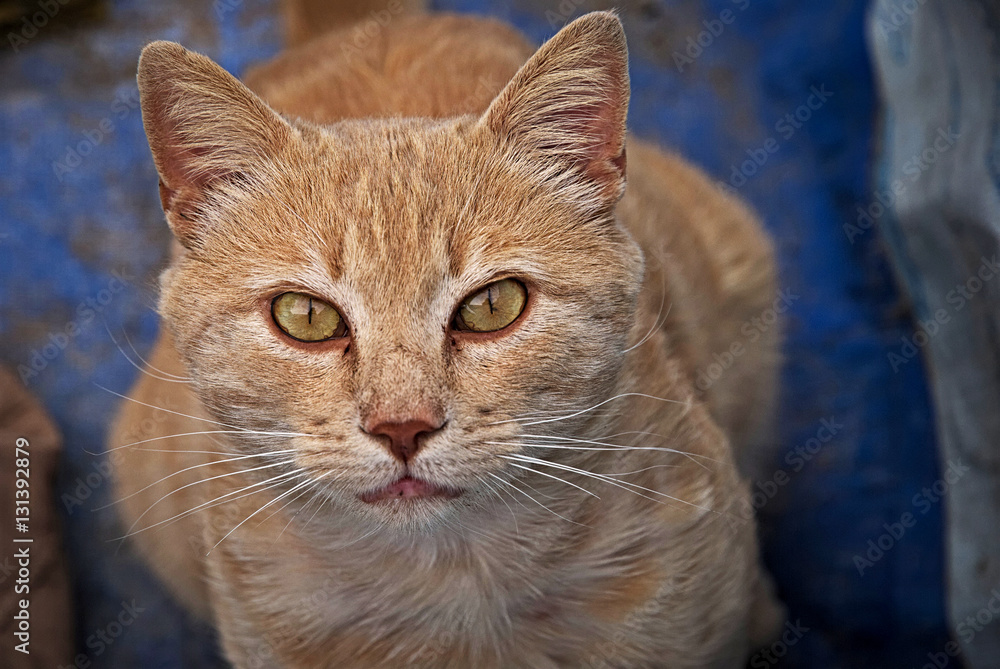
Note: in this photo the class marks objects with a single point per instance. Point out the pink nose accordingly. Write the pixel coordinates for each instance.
(404, 438)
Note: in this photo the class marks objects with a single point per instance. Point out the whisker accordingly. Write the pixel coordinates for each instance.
(607, 447)
(313, 483)
(187, 469)
(555, 478)
(184, 450)
(612, 446)
(496, 493)
(176, 413)
(540, 414)
(537, 491)
(325, 498)
(211, 478)
(644, 469)
(583, 411)
(601, 477)
(132, 362)
(273, 501)
(656, 324)
(359, 539)
(193, 434)
(272, 482)
(148, 363)
(508, 483)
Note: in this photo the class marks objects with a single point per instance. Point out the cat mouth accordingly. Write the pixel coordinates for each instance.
(408, 487)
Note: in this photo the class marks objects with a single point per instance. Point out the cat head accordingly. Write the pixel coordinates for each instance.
(385, 301)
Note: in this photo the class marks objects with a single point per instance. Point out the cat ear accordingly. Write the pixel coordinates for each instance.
(204, 127)
(567, 105)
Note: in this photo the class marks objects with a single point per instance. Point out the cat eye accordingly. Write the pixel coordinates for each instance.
(307, 318)
(492, 308)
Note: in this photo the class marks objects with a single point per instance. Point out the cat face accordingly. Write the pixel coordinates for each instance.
(390, 300)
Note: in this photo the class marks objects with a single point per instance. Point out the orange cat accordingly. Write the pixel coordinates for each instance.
(431, 364)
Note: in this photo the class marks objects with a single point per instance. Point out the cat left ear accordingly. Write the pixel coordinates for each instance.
(204, 127)
(568, 105)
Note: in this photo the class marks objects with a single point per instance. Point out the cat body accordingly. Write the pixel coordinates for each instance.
(584, 504)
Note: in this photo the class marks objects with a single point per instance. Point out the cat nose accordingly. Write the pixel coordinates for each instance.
(405, 438)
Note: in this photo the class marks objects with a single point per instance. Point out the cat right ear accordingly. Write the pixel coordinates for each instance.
(204, 127)
(567, 106)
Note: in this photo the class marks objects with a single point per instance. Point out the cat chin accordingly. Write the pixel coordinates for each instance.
(411, 516)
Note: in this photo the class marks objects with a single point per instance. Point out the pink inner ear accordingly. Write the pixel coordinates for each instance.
(185, 166)
(601, 134)
(568, 103)
(204, 127)
(606, 127)
(186, 172)
(182, 183)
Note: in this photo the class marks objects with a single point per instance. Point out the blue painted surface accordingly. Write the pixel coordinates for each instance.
(63, 234)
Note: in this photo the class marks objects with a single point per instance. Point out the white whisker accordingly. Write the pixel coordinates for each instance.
(589, 409)
(508, 483)
(313, 483)
(656, 323)
(187, 469)
(272, 482)
(193, 434)
(644, 469)
(611, 446)
(135, 364)
(600, 477)
(211, 478)
(176, 413)
(493, 491)
(149, 364)
(554, 478)
(273, 501)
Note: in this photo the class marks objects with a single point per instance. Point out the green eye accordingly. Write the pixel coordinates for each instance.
(307, 318)
(493, 308)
